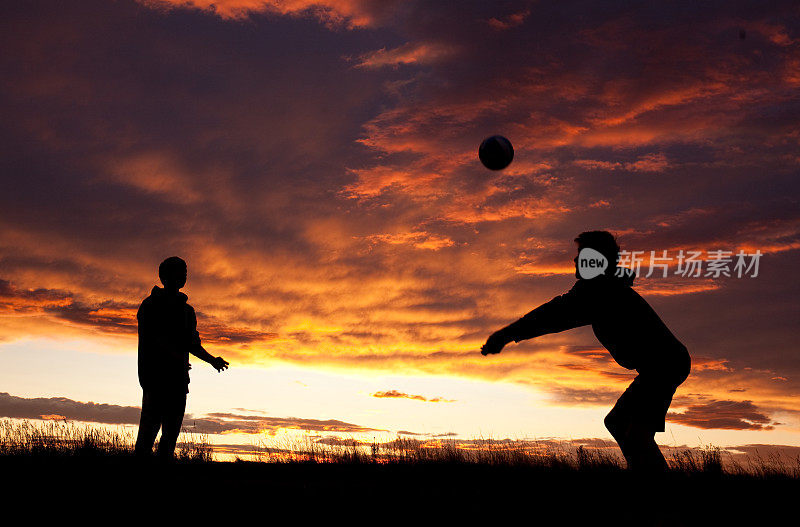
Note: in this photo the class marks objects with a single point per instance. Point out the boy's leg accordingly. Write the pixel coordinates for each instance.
(173, 411)
(616, 429)
(638, 446)
(641, 411)
(620, 419)
(643, 455)
(149, 423)
(633, 424)
(620, 431)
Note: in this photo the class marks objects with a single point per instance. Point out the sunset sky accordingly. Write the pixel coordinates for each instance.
(315, 163)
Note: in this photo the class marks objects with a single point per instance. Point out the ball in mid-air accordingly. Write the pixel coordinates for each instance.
(496, 152)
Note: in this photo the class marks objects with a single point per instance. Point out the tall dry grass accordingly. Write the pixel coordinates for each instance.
(68, 439)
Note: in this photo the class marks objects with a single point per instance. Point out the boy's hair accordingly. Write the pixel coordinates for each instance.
(169, 266)
(602, 242)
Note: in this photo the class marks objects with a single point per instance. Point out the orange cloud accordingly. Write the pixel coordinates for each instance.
(544, 269)
(728, 415)
(394, 394)
(409, 53)
(109, 316)
(418, 239)
(350, 13)
(510, 21)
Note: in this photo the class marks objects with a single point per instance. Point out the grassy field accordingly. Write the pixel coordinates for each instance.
(68, 466)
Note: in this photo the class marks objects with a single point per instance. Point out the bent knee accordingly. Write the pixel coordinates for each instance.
(612, 425)
(686, 365)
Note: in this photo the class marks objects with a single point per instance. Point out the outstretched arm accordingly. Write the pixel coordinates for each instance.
(199, 351)
(566, 311)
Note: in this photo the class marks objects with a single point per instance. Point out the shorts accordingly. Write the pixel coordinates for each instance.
(647, 400)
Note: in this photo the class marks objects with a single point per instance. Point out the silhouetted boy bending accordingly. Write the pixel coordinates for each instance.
(634, 335)
(167, 334)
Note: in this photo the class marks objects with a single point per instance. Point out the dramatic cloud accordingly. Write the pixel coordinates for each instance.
(110, 316)
(221, 423)
(731, 415)
(334, 13)
(61, 408)
(394, 394)
(405, 54)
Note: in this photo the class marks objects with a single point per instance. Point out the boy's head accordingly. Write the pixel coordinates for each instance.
(172, 273)
(602, 242)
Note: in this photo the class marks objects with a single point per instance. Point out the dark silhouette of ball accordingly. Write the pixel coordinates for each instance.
(496, 152)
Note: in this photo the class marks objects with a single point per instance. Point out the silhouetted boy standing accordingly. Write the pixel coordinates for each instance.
(167, 334)
(634, 335)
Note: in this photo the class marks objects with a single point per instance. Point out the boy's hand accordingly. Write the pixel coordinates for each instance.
(219, 363)
(494, 344)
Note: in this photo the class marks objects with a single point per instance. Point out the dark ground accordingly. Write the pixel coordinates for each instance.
(123, 489)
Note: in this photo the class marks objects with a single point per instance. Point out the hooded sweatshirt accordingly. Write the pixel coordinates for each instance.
(167, 334)
(622, 321)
